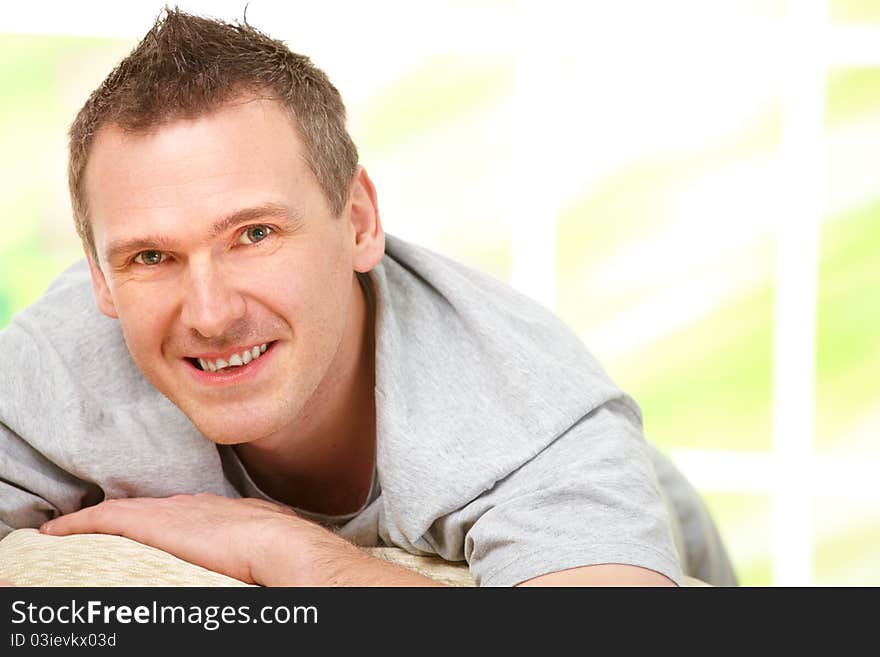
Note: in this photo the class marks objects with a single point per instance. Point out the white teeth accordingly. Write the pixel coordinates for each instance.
(235, 360)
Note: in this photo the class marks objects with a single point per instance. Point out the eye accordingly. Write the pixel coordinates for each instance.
(150, 258)
(254, 234)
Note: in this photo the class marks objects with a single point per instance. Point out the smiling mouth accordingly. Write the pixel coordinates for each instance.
(232, 360)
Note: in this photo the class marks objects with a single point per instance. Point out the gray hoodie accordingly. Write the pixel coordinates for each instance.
(500, 439)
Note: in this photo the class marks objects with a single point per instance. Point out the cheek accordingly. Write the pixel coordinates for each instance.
(312, 284)
(142, 318)
(316, 304)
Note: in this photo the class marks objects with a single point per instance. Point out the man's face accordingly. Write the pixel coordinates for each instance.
(233, 283)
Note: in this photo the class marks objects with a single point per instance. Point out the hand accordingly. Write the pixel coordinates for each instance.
(254, 541)
(229, 536)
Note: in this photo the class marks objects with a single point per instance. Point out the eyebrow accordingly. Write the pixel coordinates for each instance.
(289, 217)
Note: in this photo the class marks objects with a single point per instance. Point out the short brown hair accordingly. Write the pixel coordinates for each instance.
(187, 66)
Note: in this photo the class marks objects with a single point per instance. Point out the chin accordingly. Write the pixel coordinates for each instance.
(227, 433)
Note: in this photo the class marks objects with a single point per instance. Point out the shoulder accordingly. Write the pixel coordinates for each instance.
(431, 290)
(61, 348)
(471, 369)
(465, 326)
(63, 311)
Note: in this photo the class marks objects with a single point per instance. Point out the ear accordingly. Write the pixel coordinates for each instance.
(369, 239)
(101, 290)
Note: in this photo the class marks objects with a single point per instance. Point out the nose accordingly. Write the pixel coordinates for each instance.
(210, 304)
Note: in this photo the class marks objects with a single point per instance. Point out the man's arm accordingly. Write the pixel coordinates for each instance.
(263, 543)
(609, 574)
(586, 510)
(254, 541)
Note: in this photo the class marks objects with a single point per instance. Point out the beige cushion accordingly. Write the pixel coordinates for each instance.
(447, 572)
(28, 558)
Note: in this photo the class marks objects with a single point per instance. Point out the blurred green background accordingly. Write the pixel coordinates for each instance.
(664, 243)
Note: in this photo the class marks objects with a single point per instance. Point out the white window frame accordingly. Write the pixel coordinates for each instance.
(790, 471)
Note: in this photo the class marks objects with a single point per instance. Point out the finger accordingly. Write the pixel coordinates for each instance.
(109, 517)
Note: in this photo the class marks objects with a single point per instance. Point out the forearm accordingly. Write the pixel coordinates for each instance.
(254, 541)
(313, 556)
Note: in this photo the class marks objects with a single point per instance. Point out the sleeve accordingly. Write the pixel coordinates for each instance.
(590, 497)
(33, 489)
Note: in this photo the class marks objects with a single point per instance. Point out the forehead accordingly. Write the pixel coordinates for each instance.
(245, 153)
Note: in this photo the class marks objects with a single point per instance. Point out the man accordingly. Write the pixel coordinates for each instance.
(328, 388)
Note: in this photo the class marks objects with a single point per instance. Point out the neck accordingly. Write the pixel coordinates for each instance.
(325, 463)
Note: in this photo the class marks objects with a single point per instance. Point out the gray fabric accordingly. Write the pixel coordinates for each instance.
(500, 440)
